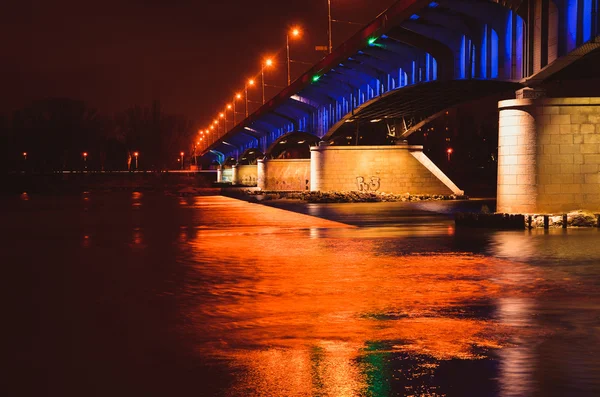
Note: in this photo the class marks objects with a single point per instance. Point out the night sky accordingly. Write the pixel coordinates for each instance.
(191, 55)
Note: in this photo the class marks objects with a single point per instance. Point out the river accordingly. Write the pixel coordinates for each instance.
(146, 294)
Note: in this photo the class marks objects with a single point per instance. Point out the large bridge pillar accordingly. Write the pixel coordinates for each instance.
(261, 174)
(235, 174)
(392, 169)
(549, 155)
(283, 174)
(244, 174)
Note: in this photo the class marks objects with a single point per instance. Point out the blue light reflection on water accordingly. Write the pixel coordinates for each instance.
(165, 295)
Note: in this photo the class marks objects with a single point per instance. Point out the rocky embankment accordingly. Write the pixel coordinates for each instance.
(349, 197)
(578, 218)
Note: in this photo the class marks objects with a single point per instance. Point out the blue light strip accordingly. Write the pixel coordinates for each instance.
(571, 24)
(463, 57)
(508, 44)
(484, 54)
(494, 55)
(519, 46)
(587, 20)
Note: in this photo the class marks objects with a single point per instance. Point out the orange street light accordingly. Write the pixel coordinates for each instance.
(181, 155)
(295, 32)
(237, 96)
(268, 63)
(249, 83)
(136, 154)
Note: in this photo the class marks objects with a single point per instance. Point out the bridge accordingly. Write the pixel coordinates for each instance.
(407, 67)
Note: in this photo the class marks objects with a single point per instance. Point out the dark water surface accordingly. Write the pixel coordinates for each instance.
(119, 294)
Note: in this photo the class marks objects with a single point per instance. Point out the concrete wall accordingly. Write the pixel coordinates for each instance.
(246, 175)
(290, 174)
(549, 155)
(226, 174)
(390, 169)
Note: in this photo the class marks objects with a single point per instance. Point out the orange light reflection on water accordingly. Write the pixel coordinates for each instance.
(285, 293)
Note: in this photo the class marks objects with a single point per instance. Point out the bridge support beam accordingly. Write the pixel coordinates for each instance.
(283, 175)
(392, 169)
(244, 174)
(235, 174)
(549, 155)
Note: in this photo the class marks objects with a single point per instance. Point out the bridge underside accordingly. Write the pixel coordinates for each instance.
(409, 108)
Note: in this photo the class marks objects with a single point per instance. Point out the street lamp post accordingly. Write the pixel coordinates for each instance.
(229, 107)
(295, 33)
(236, 97)
(222, 116)
(181, 159)
(249, 83)
(267, 62)
(329, 24)
(136, 154)
(84, 155)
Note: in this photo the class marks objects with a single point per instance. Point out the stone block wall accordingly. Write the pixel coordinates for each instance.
(549, 155)
(246, 175)
(226, 174)
(289, 174)
(390, 169)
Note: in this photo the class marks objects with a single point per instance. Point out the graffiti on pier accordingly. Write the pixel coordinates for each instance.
(371, 185)
(249, 180)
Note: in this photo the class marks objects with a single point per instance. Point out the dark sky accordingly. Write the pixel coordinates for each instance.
(192, 55)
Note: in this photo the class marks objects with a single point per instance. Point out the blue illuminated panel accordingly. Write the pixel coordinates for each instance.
(484, 54)
(587, 20)
(463, 57)
(494, 55)
(571, 24)
(520, 28)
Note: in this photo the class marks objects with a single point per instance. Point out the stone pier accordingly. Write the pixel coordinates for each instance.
(549, 155)
(280, 174)
(391, 169)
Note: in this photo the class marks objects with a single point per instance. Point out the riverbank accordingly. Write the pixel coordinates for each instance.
(334, 197)
(74, 182)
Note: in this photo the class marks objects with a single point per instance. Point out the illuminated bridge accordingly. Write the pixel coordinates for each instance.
(407, 67)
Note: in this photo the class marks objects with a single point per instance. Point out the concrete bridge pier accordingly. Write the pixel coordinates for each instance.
(283, 174)
(548, 154)
(392, 169)
(235, 174)
(219, 174)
